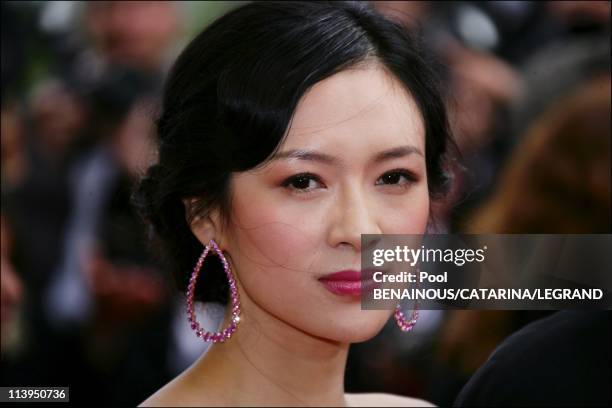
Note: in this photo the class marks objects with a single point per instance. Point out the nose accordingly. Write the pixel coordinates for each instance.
(352, 216)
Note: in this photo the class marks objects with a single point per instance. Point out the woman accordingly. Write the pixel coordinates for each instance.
(288, 129)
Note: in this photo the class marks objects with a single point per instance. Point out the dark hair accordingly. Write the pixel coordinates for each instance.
(230, 97)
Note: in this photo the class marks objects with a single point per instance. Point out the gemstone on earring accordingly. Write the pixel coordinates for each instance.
(235, 303)
(402, 322)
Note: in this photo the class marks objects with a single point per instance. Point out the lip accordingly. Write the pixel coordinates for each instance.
(349, 282)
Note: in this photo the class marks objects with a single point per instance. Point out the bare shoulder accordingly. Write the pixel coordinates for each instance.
(155, 400)
(177, 392)
(165, 396)
(384, 400)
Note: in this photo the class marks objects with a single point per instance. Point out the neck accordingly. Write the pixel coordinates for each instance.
(268, 362)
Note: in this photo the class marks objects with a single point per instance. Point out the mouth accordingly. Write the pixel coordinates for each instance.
(349, 282)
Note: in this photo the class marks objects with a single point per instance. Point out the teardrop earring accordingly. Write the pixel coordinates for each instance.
(400, 318)
(403, 323)
(225, 334)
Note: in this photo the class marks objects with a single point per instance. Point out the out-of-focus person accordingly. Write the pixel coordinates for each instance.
(141, 35)
(557, 181)
(560, 360)
(11, 289)
(133, 33)
(107, 305)
(569, 43)
(13, 157)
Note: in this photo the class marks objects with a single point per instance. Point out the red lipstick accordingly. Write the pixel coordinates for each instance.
(348, 282)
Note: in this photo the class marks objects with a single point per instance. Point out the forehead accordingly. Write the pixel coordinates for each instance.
(364, 106)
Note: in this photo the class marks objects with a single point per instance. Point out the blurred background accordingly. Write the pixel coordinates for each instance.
(85, 304)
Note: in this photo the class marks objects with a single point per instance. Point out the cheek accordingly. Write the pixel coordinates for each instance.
(275, 236)
(275, 250)
(407, 214)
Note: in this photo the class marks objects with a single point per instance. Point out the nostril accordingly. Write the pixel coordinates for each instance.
(346, 244)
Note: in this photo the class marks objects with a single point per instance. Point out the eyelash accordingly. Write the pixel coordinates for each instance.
(410, 177)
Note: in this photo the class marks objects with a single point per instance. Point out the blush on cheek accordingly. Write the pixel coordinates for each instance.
(408, 218)
(273, 238)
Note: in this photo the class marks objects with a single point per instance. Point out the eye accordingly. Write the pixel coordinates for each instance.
(302, 183)
(399, 177)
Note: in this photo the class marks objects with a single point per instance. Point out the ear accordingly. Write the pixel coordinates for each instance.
(205, 227)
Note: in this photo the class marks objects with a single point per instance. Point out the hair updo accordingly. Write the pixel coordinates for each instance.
(231, 94)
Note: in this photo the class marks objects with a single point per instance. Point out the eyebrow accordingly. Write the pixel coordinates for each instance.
(313, 155)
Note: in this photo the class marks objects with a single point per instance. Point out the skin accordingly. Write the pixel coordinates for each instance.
(292, 343)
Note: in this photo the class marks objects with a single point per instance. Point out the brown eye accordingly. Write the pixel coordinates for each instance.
(396, 177)
(302, 182)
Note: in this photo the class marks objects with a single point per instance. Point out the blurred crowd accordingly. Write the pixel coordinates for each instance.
(86, 304)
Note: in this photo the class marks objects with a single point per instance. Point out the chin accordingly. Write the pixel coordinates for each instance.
(359, 329)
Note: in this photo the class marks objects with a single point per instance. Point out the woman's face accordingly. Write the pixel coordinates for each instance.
(352, 163)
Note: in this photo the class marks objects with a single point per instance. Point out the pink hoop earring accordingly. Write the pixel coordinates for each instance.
(400, 318)
(404, 324)
(225, 334)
